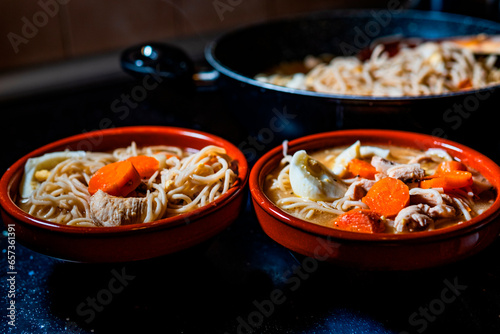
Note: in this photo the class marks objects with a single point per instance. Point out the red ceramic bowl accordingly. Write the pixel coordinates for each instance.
(129, 242)
(376, 251)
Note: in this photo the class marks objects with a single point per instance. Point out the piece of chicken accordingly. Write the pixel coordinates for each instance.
(382, 165)
(420, 216)
(429, 196)
(406, 172)
(413, 218)
(358, 189)
(403, 172)
(107, 210)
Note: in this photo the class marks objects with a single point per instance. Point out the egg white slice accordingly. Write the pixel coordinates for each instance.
(369, 151)
(342, 160)
(311, 179)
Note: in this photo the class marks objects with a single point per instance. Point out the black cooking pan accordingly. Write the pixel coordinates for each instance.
(273, 113)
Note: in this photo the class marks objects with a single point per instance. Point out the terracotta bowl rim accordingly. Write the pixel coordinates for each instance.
(315, 141)
(14, 171)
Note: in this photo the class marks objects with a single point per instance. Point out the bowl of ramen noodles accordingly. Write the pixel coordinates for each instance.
(377, 199)
(124, 194)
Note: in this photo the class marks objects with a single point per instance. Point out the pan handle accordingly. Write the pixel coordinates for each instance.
(169, 63)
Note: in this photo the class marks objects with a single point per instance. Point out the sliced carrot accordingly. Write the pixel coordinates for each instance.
(145, 165)
(387, 196)
(464, 84)
(448, 180)
(364, 169)
(117, 179)
(360, 220)
(448, 166)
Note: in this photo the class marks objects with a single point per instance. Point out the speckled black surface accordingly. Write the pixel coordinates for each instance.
(225, 285)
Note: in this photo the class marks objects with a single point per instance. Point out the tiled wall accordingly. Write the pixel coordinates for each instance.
(35, 32)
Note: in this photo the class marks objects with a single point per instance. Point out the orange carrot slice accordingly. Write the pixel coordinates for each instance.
(117, 179)
(465, 84)
(448, 180)
(364, 169)
(448, 166)
(145, 165)
(387, 196)
(360, 220)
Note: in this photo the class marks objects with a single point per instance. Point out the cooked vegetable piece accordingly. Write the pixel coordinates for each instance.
(387, 197)
(145, 165)
(448, 166)
(448, 180)
(364, 169)
(117, 179)
(360, 220)
(465, 84)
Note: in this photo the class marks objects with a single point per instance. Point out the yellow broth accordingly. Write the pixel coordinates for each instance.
(400, 155)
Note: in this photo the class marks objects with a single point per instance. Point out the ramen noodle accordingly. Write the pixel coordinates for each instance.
(428, 69)
(373, 189)
(55, 187)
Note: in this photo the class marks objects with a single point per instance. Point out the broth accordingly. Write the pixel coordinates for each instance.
(476, 198)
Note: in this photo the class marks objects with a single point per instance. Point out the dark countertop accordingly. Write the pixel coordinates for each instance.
(239, 282)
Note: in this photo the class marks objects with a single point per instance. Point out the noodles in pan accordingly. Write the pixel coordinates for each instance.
(427, 69)
(184, 181)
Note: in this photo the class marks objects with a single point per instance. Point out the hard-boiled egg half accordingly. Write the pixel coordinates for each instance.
(309, 178)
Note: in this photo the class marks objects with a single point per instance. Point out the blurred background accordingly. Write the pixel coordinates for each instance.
(55, 30)
(42, 40)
